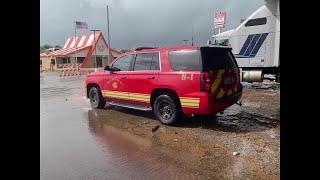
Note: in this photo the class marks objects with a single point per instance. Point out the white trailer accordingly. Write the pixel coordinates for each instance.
(256, 43)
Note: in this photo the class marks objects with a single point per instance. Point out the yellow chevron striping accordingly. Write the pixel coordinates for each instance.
(221, 93)
(217, 81)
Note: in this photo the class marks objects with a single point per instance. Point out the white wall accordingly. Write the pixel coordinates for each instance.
(82, 53)
(101, 48)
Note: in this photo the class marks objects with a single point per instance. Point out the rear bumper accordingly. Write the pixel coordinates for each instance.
(226, 102)
(209, 106)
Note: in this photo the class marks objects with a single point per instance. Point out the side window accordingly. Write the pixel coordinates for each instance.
(143, 62)
(123, 63)
(185, 60)
(256, 22)
(155, 62)
(146, 61)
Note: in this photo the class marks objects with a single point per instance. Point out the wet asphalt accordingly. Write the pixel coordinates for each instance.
(77, 143)
(73, 145)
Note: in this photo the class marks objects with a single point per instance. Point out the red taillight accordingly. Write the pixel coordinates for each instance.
(205, 83)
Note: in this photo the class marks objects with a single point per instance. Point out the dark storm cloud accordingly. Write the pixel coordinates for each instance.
(140, 22)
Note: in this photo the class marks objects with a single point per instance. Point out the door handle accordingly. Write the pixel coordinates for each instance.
(123, 78)
(151, 78)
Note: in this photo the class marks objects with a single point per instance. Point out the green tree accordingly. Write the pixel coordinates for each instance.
(57, 47)
(45, 47)
(125, 50)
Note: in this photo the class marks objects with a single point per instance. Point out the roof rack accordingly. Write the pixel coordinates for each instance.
(141, 48)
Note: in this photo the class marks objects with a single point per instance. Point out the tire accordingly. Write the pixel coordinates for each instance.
(166, 110)
(96, 99)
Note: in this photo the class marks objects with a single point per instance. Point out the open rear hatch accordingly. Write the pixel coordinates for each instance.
(220, 72)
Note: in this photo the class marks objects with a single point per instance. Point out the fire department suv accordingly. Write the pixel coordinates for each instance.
(172, 82)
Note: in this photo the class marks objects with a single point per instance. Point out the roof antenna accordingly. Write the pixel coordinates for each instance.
(192, 36)
(192, 41)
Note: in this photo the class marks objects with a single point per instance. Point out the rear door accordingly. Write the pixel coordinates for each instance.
(143, 77)
(223, 71)
(116, 83)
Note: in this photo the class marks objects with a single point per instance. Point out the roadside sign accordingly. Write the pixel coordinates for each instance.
(220, 19)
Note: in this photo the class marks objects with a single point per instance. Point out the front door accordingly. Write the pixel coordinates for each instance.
(115, 83)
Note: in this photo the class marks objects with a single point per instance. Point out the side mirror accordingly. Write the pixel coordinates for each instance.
(108, 68)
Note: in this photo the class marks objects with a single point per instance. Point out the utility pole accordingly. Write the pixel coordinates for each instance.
(75, 39)
(95, 47)
(192, 36)
(109, 55)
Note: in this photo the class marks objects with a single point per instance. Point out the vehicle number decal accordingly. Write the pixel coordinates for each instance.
(186, 77)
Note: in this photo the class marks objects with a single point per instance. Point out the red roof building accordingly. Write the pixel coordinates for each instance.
(82, 49)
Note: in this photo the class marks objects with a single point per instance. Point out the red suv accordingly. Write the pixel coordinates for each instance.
(174, 81)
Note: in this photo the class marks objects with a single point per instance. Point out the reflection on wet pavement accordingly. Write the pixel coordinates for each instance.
(133, 153)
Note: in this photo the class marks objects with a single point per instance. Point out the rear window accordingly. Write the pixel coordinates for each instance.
(217, 58)
(185, 60)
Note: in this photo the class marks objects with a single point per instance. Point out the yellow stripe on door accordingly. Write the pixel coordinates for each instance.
(127, 95)
(185, 101)
(189, 105)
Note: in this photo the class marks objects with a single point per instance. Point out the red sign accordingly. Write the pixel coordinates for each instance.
(220, 19)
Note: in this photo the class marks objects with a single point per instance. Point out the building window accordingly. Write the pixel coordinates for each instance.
(80, 59)
(65, 60)
(256, 22)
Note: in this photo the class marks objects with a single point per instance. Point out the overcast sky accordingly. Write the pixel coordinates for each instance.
(140, 22)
